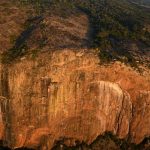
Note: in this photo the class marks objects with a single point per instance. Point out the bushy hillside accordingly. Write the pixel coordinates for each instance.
(119, 30)
(48, 26)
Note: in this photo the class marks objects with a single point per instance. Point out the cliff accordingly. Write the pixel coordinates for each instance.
(66, 80)
(68, 95)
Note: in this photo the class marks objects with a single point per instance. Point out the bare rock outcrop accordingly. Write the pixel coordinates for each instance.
(63, 96)
(140, 127)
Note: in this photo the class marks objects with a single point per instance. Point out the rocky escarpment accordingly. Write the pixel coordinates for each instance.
(141, 117)
(67, 95)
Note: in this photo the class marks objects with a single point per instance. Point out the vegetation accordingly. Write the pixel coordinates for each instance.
(108, 141)
(116, 24)
(20, 46)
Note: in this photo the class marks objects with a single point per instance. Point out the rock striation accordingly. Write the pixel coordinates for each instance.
(140, 126)
(63, 95)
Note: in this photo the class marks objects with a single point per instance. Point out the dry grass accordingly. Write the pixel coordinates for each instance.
(57, 32)
(54, 32)
(12, 18)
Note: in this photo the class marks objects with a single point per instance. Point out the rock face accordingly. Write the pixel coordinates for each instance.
(141, 117)
(61, 96)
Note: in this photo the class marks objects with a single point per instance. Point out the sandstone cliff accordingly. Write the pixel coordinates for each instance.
(68, 95)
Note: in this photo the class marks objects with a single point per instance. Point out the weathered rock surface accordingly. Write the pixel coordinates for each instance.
(141, 117)
(65, 96)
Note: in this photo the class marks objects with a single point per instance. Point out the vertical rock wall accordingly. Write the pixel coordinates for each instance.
(62, 96)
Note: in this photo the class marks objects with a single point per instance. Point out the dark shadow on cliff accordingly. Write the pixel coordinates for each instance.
(2, 147)
(24, 148)
(105, 142)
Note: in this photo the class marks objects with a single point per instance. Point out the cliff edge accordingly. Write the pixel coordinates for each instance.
(68, 95)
